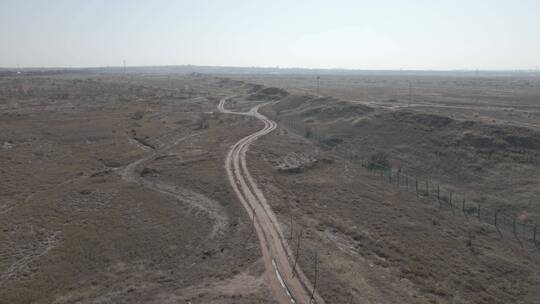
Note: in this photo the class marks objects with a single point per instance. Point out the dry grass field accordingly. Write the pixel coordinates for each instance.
(479, 136)
(113, 191)
(114, 187)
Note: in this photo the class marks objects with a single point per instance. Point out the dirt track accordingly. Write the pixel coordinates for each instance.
(196, 200)
(289, 285)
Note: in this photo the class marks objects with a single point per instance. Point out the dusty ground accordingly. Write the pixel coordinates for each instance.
(377, 244)
(114, 192)
(114, 189)
(477, 135)
(496, 166)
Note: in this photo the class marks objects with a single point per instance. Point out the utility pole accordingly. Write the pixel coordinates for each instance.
(410, 93)
(297, 253)
(316, 278)
(291, 227)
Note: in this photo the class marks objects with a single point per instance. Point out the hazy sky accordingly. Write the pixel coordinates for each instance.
(383, 34)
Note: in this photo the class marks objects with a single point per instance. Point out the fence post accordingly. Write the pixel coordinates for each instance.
(451, 204)
(514, 228)
(535, 230)
(495, 222)
(478, 211)
(407, 181)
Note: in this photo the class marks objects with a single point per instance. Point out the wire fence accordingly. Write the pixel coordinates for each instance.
(507, 223)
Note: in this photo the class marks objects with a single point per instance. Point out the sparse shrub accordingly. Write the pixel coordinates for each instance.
(202, 121)
(138, 115)
(308, 133)
(149, 172)
(331, 141)
(379, 161)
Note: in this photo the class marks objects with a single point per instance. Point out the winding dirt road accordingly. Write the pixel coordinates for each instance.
(288, 285)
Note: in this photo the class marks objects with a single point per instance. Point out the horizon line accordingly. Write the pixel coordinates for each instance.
(536, 69)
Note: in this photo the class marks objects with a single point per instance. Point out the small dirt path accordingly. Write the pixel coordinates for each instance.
(194, 199)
